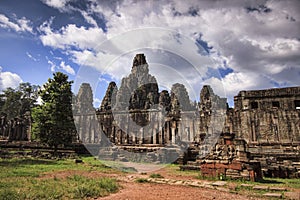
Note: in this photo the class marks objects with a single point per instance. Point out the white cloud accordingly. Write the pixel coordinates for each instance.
(20, 25)
(59, 4)
(31, 57)
(232, 83)
(67, 68)
(97, 102)
(62, 66)
(71, 35)
(9, 79)
(260, 44)
(52, 65)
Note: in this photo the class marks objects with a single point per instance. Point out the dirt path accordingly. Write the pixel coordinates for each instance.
(175, 184)
(153, 191)
(132, 190)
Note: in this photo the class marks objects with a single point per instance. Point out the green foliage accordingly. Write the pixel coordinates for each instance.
(156, 176)
(142, 180)
(16, 102)
(53, 119)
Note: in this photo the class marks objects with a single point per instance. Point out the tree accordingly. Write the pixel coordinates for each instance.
(16, 102)
(53, 119)
(29, 96)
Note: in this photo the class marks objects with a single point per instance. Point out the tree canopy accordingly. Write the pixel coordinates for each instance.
(53, 119)
(16, 102)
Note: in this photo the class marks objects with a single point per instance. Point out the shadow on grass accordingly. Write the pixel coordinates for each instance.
(270, 181)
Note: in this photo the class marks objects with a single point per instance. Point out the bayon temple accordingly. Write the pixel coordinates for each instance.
(259, 136)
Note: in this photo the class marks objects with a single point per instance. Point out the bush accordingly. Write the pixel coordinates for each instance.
(142, 180)
(156, 176)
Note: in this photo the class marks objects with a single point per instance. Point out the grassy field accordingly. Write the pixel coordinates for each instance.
(28, 178)
(24, 179)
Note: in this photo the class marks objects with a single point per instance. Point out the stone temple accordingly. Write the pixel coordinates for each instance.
(260, 136)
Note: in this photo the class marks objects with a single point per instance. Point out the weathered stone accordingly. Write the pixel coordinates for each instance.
(261, 131)
(84, 100)
(219, 183)
(277, 189)
(110, 97)
(260, 187)
(84, 115)
(180, 98)
(139, 90)
(246, 185)
(273, 195)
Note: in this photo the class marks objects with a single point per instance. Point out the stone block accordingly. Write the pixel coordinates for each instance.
(277, 189)
(260, 187)
(219, 183)
(273, 195)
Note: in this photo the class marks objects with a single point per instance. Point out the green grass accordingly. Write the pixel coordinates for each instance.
(271, 182)
(280, 182)
(23, 179)
(74, 187)
(174, 168)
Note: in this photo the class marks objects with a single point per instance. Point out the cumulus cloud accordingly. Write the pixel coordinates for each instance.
(258, 40)
(18, 25)
(71, 35)
(9, 79)
(59, 4)
(67, 68)
(61, 66)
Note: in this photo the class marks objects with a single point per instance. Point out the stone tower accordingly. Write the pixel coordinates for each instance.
(139, 90)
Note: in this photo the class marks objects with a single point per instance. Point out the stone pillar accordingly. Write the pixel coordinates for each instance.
(187, 134)
(192, 129)
(173, 134)
(118, 137)
(252, 131)
(160, 135)
(154, 134)
(133, 137)
(91, 128)
(167, 132)
(180, 132)
(141, 139)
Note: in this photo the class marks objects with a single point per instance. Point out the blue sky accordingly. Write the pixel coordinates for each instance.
(231, 45)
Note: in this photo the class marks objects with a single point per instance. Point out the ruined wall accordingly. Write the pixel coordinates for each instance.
(268, 116)
(16, 129)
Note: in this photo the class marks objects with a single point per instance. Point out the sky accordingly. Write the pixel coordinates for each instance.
(232, 45)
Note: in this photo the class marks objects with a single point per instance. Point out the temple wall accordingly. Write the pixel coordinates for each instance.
(268, 115)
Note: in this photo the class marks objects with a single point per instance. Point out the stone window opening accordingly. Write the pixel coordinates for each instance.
(297, 104)
(254, 105)
(275, 104)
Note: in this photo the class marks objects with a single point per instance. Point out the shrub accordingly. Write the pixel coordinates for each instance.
(141, 180)
(156, 176)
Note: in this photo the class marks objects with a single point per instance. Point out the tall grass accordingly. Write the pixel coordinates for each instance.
(20, 179)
